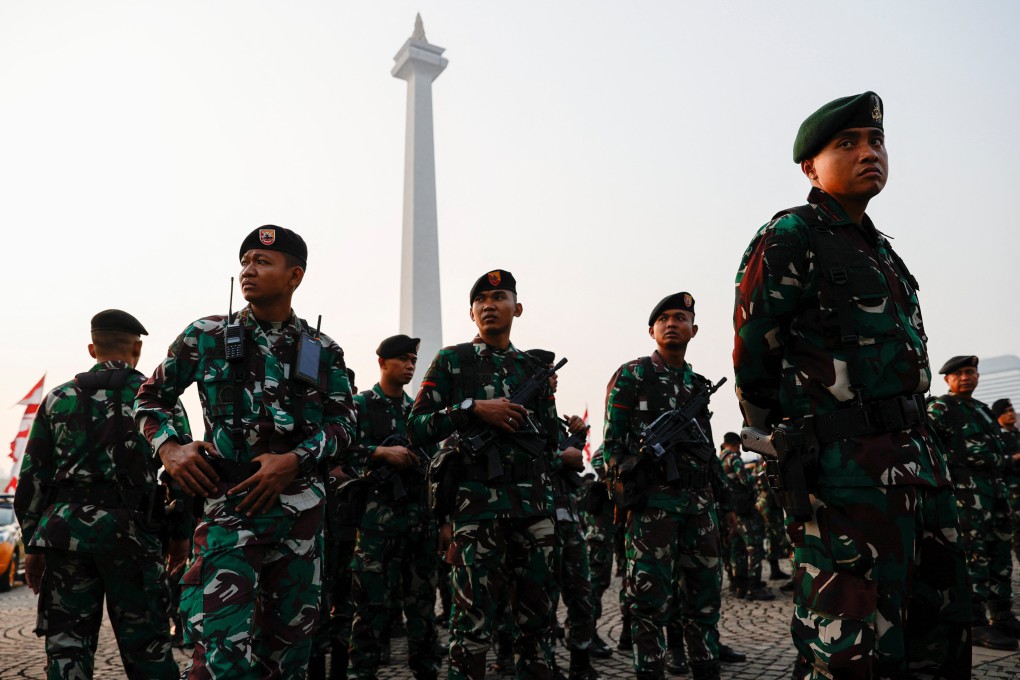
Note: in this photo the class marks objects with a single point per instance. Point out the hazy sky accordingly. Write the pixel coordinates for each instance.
(606, 153)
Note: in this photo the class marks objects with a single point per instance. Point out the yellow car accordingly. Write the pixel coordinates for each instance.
(12, 551)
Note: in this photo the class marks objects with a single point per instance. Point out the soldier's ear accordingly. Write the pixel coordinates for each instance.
(694, 329)
(297, 275)
(518, 309)
(92, 350)
(651, 332)
(807, 166)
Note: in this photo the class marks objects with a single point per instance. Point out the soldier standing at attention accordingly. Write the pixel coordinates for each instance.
(747, 544)
(979, 464)
(497, 531)
(277, 403)
(90, 508)
(1002, 410)
(829, 340)
(672, 527)
(394, 558)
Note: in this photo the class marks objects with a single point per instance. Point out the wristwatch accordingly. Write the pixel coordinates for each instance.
(468, 405)
(460, 414)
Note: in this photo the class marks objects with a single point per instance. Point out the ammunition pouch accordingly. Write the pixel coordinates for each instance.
(871, 417)
(350, 500)
(628, 482)
(514, 472)
(442, 480)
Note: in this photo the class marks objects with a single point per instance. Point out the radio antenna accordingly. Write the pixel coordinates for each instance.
(318, 326)
(230, 305)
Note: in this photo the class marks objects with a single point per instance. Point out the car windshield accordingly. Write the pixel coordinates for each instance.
(6, 515)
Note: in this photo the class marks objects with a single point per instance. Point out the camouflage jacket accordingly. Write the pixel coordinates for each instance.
(628, 412)
(279, 414)
(431, 422)
(1011, 445)
(66, 451)
(740, 479)
(971, 439)
(380, 508)
(789, 358)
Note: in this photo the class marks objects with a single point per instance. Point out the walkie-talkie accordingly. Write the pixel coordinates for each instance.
(233, 341)
(309, 354)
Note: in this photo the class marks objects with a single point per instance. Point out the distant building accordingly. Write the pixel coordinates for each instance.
(1000, 377)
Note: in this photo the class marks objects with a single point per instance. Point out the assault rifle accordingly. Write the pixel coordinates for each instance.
(478, 439)
(574, 440)
(384, 473)
(679, 426)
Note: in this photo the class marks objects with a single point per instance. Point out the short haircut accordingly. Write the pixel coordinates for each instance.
(292, 261)
(113, 342)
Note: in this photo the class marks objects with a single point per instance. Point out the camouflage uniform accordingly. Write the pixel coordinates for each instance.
(747, 546)
(1011, 444)
(395, 554)
(674, 537)
(251, 596)
(978, 463)
(503, 531)
(85, 473)
(881, 585)
(600, 530)
(574, 572)
(767, 505)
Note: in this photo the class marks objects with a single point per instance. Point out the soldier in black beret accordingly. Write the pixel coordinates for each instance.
(1004, 413)
(1000, 406)
(279, 239)
(396, 345)
(497, 279)
(958, 362)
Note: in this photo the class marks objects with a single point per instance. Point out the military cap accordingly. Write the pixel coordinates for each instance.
(118, 321)
(731, 438)
(543, 355)
(859, 110)
(1000, 406)
(674, 301)
(956, 363)
(272, 237)
(397, 345)
(497, 279)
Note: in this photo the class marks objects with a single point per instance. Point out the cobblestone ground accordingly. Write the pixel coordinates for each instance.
(759, 629)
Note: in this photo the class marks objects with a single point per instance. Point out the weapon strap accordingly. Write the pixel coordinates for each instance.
(380, 421)
(112, 381)
(475, 371)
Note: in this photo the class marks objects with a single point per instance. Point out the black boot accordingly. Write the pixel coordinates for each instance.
(338, 661)
(580, 666)
(761, 594)
(1000, 613)
(801, 668)
(676, 661)
(705, 670)
(599, 649)
(775, 572)
(504, 663)
(626, 642)
(317, 667)
(729, 655)
(987, 636)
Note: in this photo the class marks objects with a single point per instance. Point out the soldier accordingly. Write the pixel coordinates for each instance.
(830, 342)
(979, 463)
(1002, 410)
(747, 543)
(599, 534)
(672, 527)
(495, 503)
(277, 404)
(394, 556)
(90, 509)
(767, 505)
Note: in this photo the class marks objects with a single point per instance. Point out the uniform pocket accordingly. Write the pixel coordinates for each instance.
(191, 602)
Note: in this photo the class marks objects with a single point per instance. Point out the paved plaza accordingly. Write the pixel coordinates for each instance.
(759, 629)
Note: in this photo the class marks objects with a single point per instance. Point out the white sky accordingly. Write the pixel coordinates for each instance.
(606, 153)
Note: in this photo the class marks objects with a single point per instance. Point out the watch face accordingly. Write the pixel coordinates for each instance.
(467, 403)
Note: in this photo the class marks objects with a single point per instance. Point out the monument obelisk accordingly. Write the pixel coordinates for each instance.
(419, 63)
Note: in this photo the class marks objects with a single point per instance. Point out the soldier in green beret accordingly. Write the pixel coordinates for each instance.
(829, 342)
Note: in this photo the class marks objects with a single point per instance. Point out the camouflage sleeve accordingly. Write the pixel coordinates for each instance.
(620, 402)
(430, 421)
(31, 496)
(768, 287)
(360, 451)
(182, 425)
(551, 423)
(720, 486)
(157, 398)
(339, 423)
(940, 421)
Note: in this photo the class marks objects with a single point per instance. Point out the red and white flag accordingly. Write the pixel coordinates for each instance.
(587, 442)
(31, 403)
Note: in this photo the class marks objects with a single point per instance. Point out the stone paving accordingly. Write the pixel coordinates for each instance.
(759, 629)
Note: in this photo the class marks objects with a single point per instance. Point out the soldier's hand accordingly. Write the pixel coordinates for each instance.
(189, 468)
(572, 458)
(398, 456)
(501, 413)
(574, 424)
(35, 565)
(445, 538)
(276, 472)
(177, 556)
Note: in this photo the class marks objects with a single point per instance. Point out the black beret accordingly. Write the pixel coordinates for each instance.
(272, 237)
(859, 110)
(731, 438)
(543, 355)
(397, 345)
(674, 301)
(116, 320)
(956, 363)
(497, 279)
(1000, 406)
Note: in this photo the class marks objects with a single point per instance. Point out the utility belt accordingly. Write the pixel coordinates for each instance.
(873, 417)
(148, 508)
(513, 472)
(691, 479)
(233, 471)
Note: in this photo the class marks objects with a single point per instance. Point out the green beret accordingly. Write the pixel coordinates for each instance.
(397, 345)
(272, 237)
(674, 301)
(117, 321)
(1000, 406)
(543, 355)
(858, 111)
(956, 363)
(498, 279)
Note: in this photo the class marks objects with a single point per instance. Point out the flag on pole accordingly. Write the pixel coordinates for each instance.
(31, 403)
(587, 442)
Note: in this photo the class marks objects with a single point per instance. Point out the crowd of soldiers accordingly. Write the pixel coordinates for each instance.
(313, 520)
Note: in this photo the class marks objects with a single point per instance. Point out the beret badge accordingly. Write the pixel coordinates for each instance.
(494, 278)
(267, 236)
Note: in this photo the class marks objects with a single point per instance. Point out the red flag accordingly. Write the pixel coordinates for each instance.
(587, 442)
(31, 402)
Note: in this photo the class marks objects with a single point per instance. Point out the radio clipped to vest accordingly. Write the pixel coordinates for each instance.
(233, 340)
(309, 355)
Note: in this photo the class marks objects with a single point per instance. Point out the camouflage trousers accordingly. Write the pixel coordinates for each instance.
(987, 533)
(881, 587)
(666, 551)
(775, 533)
(251, 610)
(397, 569)
(490, 558)
(1013, 494)
(574, 582)
(599, 535)
(747, 550)
(71, 611)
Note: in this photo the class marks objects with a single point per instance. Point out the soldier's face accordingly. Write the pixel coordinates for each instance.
(854, 164)
(673, 329)
(265, 276)
(493, 311)
(1008, 417)
(963, 381)
(399, 369)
